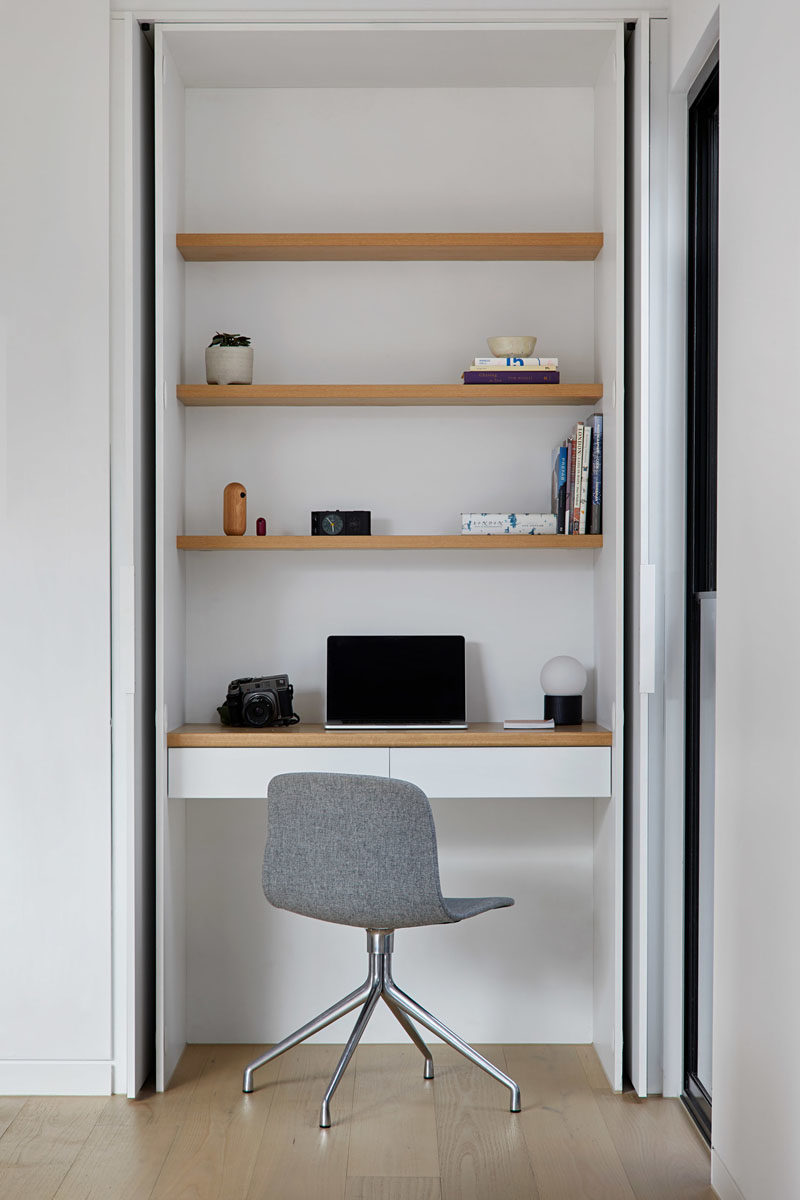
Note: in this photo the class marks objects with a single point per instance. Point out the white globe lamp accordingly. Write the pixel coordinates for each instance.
(563, 680)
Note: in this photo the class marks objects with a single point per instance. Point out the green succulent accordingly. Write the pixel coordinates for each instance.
(229, 339)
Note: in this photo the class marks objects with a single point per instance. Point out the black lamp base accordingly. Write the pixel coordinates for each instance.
(565, 710)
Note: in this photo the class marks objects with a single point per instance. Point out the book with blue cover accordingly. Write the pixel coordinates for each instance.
(559, 488)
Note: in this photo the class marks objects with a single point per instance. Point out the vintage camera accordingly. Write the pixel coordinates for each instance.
(259, 700)
(342, 522)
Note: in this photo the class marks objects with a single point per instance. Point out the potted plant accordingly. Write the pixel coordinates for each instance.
(229, 359)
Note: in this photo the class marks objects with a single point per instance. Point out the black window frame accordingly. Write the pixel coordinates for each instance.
(701, 523)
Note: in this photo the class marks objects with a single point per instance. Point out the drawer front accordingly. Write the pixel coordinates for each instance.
(238, 771)
(500, 771)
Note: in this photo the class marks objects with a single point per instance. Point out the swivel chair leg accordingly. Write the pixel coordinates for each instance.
(409, 1006)
(379, 983)
(411, 1030)
(340, 1009)
(352, 1042)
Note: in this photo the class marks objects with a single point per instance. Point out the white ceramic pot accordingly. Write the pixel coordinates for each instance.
(229, 364)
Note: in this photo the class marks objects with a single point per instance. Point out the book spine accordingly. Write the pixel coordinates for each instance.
(541, 364)
(596, 489)
(532, 724)
(576, 489)
(587, 443)
(561, 487)
(511, 376)
(570, 484)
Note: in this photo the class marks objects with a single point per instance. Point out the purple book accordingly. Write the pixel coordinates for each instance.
(511, 376)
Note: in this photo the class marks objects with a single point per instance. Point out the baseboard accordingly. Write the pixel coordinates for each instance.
(722, 1181)
(56, 1077)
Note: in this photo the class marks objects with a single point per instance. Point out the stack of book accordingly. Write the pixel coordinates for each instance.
(512, 370)
(577, 489)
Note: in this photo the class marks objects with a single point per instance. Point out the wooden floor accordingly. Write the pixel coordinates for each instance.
(394, 1136)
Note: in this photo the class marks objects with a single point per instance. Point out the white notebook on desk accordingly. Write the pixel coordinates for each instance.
(529, 723)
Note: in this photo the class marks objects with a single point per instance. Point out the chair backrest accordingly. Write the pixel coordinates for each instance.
(354, 849)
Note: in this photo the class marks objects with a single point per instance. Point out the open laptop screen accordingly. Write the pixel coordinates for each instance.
(403, 680)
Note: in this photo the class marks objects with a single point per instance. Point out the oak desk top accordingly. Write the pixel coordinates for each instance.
(203, 736)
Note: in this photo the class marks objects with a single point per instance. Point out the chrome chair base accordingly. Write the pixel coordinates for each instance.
(379, 985)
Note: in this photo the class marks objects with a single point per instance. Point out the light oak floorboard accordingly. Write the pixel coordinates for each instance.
(296, 1159)
(482, 1151)
(213, 1155)
(203, 1138)
(663, 1154)
(118, 1161)
(169, 1107)
(383, 1188)
(592, 1068)
(393, 1127)
(571, 1150)
(9, 1107)
(42, 1142)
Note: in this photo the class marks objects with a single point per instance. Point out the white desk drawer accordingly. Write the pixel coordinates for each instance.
(229, 772)
(507, 771)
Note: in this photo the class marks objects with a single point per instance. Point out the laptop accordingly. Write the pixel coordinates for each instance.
(402, 682)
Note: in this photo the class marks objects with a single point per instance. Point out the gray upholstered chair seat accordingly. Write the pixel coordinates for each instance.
(361, 850)
(358, 850)
(471, 906)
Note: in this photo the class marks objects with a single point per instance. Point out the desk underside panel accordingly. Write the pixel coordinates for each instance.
(228, 773)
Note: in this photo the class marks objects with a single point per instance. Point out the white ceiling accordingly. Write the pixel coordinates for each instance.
(372, 58)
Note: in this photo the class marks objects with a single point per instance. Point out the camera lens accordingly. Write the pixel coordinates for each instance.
(259, 709)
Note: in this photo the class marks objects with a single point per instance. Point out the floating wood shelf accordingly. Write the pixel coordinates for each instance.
(457, 541)
(305, 735)
(377, 394)
(326, 247)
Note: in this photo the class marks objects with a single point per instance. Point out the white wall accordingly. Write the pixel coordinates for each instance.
(756, 1154)
(757, 966)
(55, 1003)
(163, 8)
(693, 31)
(417, 470)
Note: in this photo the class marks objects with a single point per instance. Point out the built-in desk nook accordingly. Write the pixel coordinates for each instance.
(369, 202)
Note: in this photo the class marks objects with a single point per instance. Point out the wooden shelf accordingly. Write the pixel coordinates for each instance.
(354, 394)
(326, 247)
(305, 735)
(436, 541)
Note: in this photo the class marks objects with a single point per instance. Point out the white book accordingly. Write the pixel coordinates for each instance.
(514, 364)
(529, 723)
(587, 453)
(523, 523)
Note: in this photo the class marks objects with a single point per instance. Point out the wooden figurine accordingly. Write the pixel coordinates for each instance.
(234, 509)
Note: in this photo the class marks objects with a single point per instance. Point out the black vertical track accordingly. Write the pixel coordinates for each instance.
(701, 525)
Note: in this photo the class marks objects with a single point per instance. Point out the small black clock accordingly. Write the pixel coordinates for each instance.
(344, 522)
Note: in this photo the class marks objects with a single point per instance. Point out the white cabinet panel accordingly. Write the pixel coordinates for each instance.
(518, 771)
(230, 772)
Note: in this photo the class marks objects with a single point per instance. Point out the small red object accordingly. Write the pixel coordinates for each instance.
(261, 527)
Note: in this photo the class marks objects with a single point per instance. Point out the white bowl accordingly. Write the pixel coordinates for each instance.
(511, 347)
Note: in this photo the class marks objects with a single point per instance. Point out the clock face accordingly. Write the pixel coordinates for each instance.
(332, 523)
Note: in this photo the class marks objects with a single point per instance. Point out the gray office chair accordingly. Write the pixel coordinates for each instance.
(361, 850)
